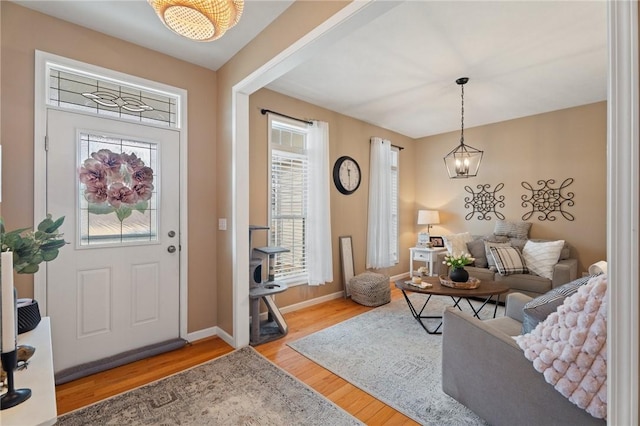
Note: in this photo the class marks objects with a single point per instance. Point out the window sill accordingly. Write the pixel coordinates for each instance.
(295, 281)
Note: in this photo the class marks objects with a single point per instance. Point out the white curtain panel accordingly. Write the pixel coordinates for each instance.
(319, 250)
(379, 225)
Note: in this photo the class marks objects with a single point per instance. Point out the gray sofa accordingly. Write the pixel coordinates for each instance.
(484, 369)
(564, 271)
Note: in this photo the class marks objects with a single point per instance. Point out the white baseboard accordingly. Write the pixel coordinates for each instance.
(216, 331)
(306, 304)
(202, 334)
(399, 277)
(224, 336)
(311, 302)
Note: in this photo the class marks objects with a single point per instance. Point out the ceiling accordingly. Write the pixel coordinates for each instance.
(399, 71)
(135, 21)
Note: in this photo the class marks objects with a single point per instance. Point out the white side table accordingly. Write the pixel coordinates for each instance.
(40, 409)
(428, 255)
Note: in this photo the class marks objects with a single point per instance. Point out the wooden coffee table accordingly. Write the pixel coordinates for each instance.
(486, 290)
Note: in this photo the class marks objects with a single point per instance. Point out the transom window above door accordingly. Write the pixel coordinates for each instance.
(77, 91)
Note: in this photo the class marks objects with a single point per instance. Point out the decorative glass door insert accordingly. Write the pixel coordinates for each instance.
(77, 91)
(117, 190)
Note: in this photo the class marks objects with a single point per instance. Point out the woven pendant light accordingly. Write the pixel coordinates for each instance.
(200, 20)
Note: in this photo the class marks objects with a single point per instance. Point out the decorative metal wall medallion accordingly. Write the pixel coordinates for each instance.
(548, 200)
(484, 202)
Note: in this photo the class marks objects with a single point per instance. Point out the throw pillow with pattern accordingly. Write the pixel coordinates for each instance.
(491, 263)
(541, 257)
(538, 309)
(511, 229)
(508, 260)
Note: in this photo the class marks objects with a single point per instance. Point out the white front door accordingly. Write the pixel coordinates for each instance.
(115, 287)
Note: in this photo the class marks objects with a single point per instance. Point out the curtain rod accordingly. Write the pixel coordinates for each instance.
(265, 111)
(400, 148)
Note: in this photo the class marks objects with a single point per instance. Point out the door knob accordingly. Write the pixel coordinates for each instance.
(171, 249)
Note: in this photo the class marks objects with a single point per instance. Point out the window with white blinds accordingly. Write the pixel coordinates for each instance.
(394, 240)
(288, 199)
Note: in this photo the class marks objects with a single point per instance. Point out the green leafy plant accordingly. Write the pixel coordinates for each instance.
(32, 247)
(460, 261)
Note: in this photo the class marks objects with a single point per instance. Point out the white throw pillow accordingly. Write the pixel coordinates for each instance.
(541, 257)
(456, 244)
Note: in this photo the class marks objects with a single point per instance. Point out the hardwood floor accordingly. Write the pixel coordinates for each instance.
(85, 391)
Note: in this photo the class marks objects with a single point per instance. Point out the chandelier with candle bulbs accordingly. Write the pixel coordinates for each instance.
(464, 160)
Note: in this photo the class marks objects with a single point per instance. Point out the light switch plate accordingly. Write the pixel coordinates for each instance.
(222, 224)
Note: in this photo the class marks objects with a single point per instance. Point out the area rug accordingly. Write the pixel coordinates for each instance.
(240, 388)
(386, 353)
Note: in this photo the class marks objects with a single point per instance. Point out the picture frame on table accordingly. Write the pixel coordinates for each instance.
(436, 241)
(423, 239)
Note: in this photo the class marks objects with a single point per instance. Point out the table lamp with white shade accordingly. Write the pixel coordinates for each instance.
(429, 218)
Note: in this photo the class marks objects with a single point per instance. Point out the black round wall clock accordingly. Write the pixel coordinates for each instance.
(346, 175)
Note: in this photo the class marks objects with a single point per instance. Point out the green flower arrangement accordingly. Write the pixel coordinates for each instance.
(32, 247)
(460, 261)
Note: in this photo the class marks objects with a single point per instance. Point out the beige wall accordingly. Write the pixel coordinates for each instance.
(543, 142)
(569, 143)
(19, 42)
(347, 136)
(300, 18)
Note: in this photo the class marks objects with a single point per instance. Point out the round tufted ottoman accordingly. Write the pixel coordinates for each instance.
(370, 289)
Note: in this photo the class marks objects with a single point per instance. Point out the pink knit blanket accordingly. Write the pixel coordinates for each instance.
(570, 347)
